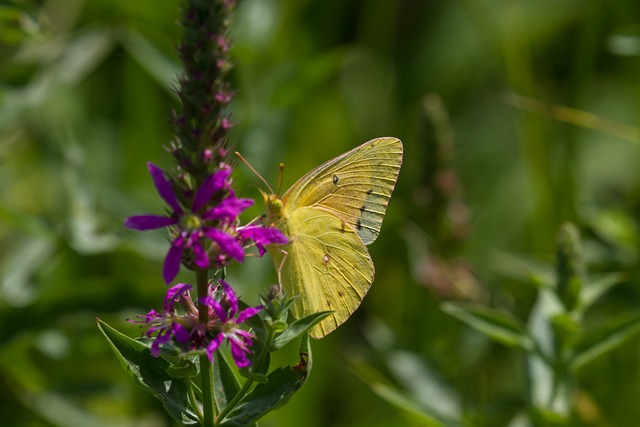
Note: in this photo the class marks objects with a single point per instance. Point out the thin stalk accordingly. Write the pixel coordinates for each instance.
(194, 401)
(206, 375)
(249, 382)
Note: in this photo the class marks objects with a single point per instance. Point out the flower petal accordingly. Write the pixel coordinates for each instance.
(174, 294)
(263, 235)
(164, 187)
(172, 263)
(231, 297)
(217, 308)
(248, 312)
(200, 256)
(239, 355)
(180, 333)
(209, 187)
(228, 209)
(162, 338)
(213, 346)
(227, 243)
(148, 222)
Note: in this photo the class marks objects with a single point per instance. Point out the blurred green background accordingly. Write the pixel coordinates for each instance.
(492, 167)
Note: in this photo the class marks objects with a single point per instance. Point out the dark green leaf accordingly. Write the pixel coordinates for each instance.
(282, 384)
(184, 368)
(612, 333)
(498, 326)
(297, 328)
(152, 374)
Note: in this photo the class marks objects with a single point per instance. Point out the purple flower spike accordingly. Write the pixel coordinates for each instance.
(190, 228)
(216, 222)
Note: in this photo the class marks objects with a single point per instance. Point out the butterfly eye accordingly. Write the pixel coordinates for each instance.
(275, 205)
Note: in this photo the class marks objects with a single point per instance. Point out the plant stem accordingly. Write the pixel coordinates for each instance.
(194, 401)
(249, 382)
(206, 377)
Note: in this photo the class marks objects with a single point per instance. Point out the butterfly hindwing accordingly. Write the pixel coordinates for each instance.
(327, 267)
(355, 186)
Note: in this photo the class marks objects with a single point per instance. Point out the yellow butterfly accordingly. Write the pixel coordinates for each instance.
(329, 216)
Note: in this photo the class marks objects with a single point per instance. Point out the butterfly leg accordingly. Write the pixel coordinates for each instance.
(284, 257)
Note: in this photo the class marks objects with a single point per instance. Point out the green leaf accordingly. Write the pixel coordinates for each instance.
(550, 391)
(612, 333)
(424, 385)
(421, 415)
(282, 383)
(498, 326)
(546, 309)
(157, 64)
(225, 383)
(524, 269)
(425, 399)
(152, 374)
(183, 368)
(297, 328)
(595, 288)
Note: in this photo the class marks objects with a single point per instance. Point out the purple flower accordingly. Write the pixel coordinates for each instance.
(168, 324)
(239, 339)
(196, 224)
(190, 334)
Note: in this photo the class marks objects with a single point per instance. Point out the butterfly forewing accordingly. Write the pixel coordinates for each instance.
(355, 187)
(326, 266)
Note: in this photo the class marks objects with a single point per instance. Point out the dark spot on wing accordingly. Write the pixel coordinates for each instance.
(342, 226)
(326, 259)
(329, 303)
(363, 208)
(370, 191)
(335, 179)
(340, 293)
(358, 225)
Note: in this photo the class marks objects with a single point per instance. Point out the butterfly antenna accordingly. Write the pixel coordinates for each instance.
(280, 180)
(255, 172)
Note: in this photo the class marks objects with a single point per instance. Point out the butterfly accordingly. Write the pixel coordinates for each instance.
(329, 216)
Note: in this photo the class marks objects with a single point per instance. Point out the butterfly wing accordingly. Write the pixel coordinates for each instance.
(326, 266)
(355, 187)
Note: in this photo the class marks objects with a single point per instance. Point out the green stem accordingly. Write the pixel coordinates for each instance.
(206, 377)
(194, 401)
(249, 382)
(245, 387)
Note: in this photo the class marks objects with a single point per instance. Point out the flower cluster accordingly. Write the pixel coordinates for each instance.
(207, 232)
(187, 333)
(203, 210)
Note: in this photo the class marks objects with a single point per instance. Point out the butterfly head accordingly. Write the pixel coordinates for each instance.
(273, 206)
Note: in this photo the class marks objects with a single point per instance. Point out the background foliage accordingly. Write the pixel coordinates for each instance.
(493, 167)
